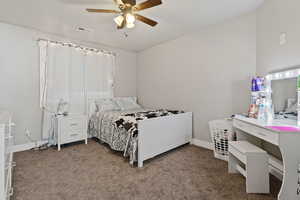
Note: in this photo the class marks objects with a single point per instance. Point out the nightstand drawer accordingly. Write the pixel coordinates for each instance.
(67, 137)
(74, 124)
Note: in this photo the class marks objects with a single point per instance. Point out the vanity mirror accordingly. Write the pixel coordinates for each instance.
(282, 93)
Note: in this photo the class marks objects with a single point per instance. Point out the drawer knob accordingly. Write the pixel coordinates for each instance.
(74, 124)
(73, 135)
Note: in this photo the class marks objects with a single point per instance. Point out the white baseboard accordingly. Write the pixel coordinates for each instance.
(203, 144)
(28, 146)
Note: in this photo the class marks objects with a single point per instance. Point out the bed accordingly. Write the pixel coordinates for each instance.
(139, 133)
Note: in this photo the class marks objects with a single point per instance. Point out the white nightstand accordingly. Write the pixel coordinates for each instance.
(71, 128)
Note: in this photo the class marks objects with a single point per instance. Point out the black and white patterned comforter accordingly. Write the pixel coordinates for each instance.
(119, 129)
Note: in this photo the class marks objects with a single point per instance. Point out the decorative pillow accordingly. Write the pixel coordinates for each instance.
(106, 104)
(127, 103)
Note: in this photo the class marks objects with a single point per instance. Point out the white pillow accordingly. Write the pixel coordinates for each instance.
(127, 103)
(106, 104)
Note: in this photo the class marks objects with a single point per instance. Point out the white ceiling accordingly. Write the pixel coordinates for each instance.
(175, 17)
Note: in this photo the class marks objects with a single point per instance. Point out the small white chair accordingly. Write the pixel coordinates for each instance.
(256, 162)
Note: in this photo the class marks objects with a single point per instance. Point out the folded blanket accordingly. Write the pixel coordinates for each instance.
(129, 121)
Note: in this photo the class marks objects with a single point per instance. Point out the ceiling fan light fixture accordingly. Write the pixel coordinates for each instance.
(128, 12)
(119, 20)
(130, 25)
(130, 18)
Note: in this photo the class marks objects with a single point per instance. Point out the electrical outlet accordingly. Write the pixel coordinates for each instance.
(283, 39)
(37, 146)
(28, 135)
(27, 132)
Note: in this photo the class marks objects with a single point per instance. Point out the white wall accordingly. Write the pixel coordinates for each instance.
(273, 18)
(19, 77)
(207, 72)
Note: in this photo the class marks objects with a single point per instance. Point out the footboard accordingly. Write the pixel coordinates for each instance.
(162, 134)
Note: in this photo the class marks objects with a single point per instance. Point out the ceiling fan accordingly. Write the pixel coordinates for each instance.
(128, 12)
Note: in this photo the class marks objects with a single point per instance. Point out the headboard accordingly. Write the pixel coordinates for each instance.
(91, 105)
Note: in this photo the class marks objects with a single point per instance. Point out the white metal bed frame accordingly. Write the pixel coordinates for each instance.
(161, 134)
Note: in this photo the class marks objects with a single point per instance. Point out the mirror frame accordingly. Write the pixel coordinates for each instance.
(281, 75)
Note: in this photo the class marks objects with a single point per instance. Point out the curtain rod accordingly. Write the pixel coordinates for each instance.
(71, 44)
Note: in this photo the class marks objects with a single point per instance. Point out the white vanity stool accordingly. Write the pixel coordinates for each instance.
(256, 163)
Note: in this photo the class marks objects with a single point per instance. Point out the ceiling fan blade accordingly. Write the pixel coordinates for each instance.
(147, 4)
(131, 2)
(102, 10)
(145, 20)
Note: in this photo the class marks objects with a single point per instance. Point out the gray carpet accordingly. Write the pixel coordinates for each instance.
(94, 172)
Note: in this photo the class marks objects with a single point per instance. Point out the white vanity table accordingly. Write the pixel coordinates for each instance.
(289, 143)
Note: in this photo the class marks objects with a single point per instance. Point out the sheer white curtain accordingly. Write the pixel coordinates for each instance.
(71, 74)
(100, 72)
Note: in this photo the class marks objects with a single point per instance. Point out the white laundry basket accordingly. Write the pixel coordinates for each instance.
(221, 132)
